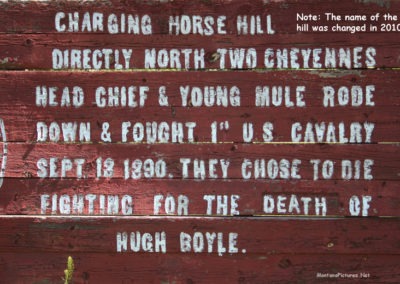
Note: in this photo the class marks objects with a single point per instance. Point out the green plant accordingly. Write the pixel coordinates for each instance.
(69, 271)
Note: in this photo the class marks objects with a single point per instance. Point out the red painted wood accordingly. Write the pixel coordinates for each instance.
(257, 268)
(270, 249)
(23, 196)
(23, 127)
(41, 14)
(258, 235)
(23, 158)
(20, 113)
(19, 88)
(33, 51)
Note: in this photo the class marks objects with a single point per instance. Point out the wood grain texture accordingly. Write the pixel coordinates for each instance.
(34, 52)
(278, 236)
(276, 250)
(23, 159)
(33, 35)
(58, 198)
(19, 88)
(41, 16)
(20, 110)
(127, 268)
(355, 126)
(23, 196)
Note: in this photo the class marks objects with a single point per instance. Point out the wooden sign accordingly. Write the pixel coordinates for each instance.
(199, 141)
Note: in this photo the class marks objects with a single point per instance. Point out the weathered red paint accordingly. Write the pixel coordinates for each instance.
(34, 51)
(259, 268)
(25, 157)
(279, 236)
(19, 94)
(19, 88)
(22, 196)
(32, 36)
(284, 250)
(271, 247)
(41, 17)
(23, 127)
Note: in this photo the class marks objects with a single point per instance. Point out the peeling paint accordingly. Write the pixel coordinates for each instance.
(272, 1)
(7, 60)
(337, 74)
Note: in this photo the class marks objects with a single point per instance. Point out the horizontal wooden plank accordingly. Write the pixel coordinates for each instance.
(372, 89)
(206, 198)
(203, 161)
(271, 268)
(41, 16)
(253, 236)
(209, 202)
(186, 125)
(280, 25)
(24, 104)
(36, 52)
